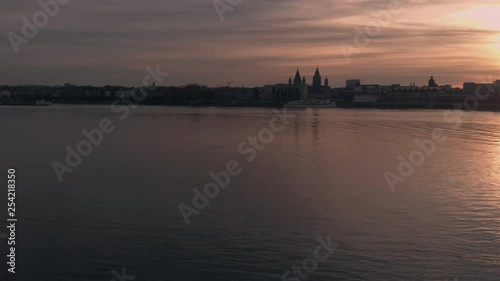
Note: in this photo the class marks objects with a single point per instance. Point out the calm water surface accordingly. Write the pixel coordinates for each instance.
(323, 175)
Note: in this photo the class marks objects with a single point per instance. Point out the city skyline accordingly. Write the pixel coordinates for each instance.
(316, 79)
(256, 43)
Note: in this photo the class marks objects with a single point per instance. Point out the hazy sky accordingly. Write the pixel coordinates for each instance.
(101, 42)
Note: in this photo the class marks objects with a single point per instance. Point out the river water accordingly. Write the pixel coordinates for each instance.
(322, 175)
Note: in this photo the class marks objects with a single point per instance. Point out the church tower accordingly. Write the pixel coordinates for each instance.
(297, 80)
(432, 82)
(304, 80)
(326, 81)
(290, 81)
(317, 79)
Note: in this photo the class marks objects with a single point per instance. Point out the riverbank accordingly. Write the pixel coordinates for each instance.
(483, 106)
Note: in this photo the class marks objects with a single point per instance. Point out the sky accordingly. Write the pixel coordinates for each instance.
(257, 42)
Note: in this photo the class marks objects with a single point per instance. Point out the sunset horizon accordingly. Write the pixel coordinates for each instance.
(255, 42)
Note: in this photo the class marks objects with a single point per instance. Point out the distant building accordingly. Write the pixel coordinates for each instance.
(317, 90)
(469, 88)
(437, 89)
(297, 80)
(432, 82)
(421, 95)
(365, 98)
(317, 82)
(352, 83)
(5, 95)
(228, 94)
(24, 94)
(284, 93)
(473, 88)
(57, 93)
(297, 89)
(356, 92)
(124, 93)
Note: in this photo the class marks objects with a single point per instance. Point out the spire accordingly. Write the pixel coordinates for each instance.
(297, 77)
(290, 80)
(304, 80)
(326, 81)
(316, 80)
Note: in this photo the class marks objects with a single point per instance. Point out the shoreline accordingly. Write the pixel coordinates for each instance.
(340, 105)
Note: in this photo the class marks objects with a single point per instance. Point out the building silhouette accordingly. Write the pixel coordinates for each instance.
(317, 82)
(297, 80)
(299, 89)
(432, 82)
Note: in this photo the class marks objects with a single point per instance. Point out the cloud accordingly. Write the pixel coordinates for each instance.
(262, 41)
